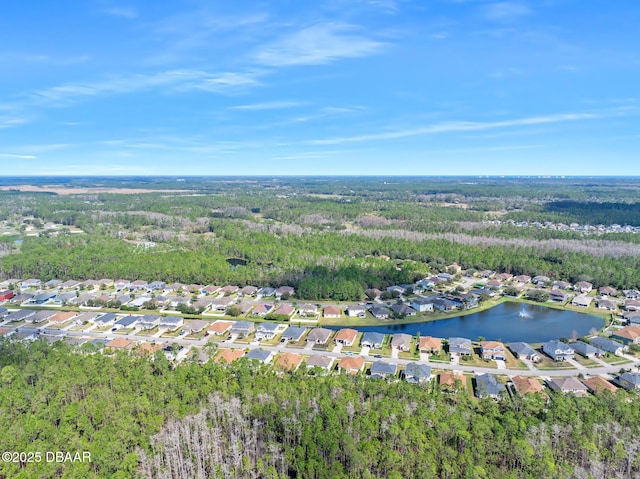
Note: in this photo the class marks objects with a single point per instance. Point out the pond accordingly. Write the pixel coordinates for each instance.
(507, 322)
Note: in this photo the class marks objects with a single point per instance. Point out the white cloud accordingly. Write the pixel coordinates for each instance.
(505, 11)
(22, 157)
(316, 45)
(458, 126)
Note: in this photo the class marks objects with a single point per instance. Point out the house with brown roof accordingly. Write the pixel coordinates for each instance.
(527, 385)
(285, 309)
(450, 380)
(607, 291)
(597, 385)
(148, 349)
(607, 304)
(346, 337)
(351, 365)
(332, 312)
(262, 309)
(220, 327)
(288, 361)
(228, 355)
(493, 350)
(628, 335)
(583, 286)
(120, 344)
(522, 279)
(229, 289)
(430, 345)
(582, 301)
(62, 317)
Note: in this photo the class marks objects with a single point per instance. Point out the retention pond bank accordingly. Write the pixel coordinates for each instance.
(508, 322)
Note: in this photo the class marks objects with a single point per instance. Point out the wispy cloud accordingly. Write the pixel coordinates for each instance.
(505, 11)
(21, 157)
(318, 44)
(459, 126)
(172, 80)
(124, 12)
(10, 122)
(269, 105)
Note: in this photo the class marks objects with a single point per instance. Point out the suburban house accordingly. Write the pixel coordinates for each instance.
(630, 381)
(19, 315)
(583, 286)
(307, 310)
(460, 346)
(41, 298)
(372, 292)
(557, 350)
(442, 304)
(284, 291)
(293, 333)
(627, 335)
(156, 286)
(586, 350)
(568, 384)
(121, 284)
(487, 385)
(558, 296)
(540, 280)
(149, 321)
(450, 380)
(262, 309)
(383, 369)
(265, 292)
(319, 361)
(30, 283)
(288, 361)
(380, 312)
(6, 295)
(561, 285)
(493, 350)
(249, 291)
(229, 290)
(126, 322)
(632, 305)
(70, 284)
(332, 312)
(372, 340)
(401, 341)
(266, 331)
(597, 384)
(417, 373)
(319, 335)
(194, 326)
(607, 291)
(242, 328)
(527, 385)
(138, 285)
(608, 345)
(228, 355)
(357, 311)
(522, 279)
(351, 365)
(120, 344)
(220, 327)
(171, 323)
(346, 337)
(403, 310)
(422, 304)
(105, 319)
(504, 276)
(59, 317)
(607, 304)
(582, 301)
(631, 317)
(430, 345)
(260, 355)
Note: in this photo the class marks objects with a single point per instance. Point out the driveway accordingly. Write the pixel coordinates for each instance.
(338, 348)
(394, 353)
(364, 351)
(501, 364)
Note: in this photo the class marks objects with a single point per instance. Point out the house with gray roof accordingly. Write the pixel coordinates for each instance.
(380, 312)
(357, 310)
(42, 298)
(320, 361)
(586, 350)
(149, 321)
(126, 322)
(417, 373)
(293, 333)
(242, 328)
(608, 345)
(487, 385)
(460, 346)
(630, 381)
(382, 369)
(372, 340)
(401, 341)
(582, 301)
(557, 350)
(319, 335)
(171, 322)
(403, 310)
(568, 384)
(266, 331)
(105, 319)
(422, 304)
(20, 315)
(260, 355)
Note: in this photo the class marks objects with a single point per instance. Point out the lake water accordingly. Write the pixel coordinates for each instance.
(507, 322)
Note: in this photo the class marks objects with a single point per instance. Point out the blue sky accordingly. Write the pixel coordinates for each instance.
(437, 87)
